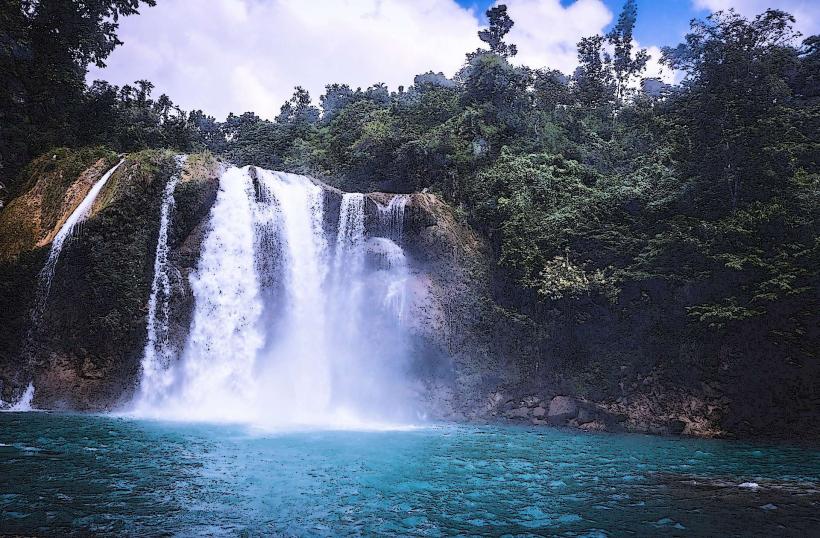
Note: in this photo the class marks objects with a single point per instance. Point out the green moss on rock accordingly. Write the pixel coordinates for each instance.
(54, 185)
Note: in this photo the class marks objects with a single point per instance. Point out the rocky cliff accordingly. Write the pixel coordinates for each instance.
(483, 349)
(82, 352)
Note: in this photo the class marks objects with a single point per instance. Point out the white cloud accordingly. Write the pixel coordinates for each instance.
(237, 55)
(654, 69)
(546, 32)
(806, 12)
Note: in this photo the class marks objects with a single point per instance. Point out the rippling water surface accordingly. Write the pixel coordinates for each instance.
(75, 474)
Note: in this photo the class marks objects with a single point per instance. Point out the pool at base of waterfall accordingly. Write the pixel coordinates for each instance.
(81, 474)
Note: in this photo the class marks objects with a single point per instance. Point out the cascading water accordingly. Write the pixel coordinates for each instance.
(348, 264)
(65, 232)
(391, 218)
(158, 354)
(294, 363)
(23, 404)
(215, 374)
(289, 327)
(46, 275)
(389, 255)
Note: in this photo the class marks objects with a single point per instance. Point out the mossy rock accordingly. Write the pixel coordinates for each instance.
(84, 352)
(54, 186)
(194, 194)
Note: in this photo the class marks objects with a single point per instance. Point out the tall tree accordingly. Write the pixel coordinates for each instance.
(298, 110)
(593, 77)
(45, 49)
(335, 98)
(735, 101)
(624, 64)
(500, 25)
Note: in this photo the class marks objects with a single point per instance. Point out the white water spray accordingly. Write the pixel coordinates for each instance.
(65, 233)
(391, 217)
(346, 284)
(215, 375)
(389, 255)
(24, 403)
(289, 328)
(293, 367)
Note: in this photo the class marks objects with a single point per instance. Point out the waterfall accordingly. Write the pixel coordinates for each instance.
(391, 273)
(297, 368)
(293, 324)
(351, 228)
(217, 364)
(65, 232)
(390, 257)
(24, 403)
(391, 218)
(157, 354)
(346, 284)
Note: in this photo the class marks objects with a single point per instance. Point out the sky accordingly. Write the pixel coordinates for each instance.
(226, 56)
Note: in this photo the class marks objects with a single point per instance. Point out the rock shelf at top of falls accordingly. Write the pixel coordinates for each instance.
(415, 309)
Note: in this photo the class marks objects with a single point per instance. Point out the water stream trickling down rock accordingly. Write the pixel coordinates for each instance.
(66, 231)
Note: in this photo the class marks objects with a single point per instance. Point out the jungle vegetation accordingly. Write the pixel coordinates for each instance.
(580, 182)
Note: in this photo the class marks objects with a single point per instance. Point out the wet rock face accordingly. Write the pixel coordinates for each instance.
(194, 196)
(57, 183)
(562, 408)
(84, 351)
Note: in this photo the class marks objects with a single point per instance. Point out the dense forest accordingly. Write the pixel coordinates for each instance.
(580, 182)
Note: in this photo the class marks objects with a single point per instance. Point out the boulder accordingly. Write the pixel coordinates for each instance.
(585, 415)
(521, 412)
(539, 411)
(594, 426)
(562, 409)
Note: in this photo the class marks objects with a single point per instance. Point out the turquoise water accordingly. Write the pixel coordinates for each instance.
(75, 474)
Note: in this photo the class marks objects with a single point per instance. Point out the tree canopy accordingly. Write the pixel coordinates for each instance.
(581, 183)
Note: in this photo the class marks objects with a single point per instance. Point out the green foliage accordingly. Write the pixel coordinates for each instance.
(45, 48)
(624, 65)
(720, 314)
(500, 25)
(738, 105)
(583, 184)
(561, 278)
